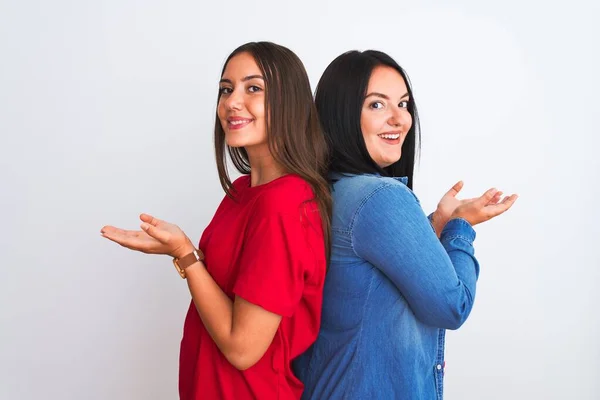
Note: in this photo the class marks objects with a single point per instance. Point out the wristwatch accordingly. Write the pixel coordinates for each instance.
(182, 263)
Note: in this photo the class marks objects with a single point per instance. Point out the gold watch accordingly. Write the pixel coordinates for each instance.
(182, 263)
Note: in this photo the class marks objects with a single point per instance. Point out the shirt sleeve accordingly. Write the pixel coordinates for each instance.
(274, 261)
(430, 219)
(436, 277)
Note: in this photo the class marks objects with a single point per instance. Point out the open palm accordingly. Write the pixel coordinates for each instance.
(156, 237)
(449, 203)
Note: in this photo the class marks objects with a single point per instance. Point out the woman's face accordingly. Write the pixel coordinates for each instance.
(241, 107)
(385, 119)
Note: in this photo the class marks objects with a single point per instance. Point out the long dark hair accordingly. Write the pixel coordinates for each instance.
(294, 134)
(339, 99)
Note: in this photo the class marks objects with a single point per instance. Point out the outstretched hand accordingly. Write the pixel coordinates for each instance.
(450, 203)
(484, 208)
(156, 237)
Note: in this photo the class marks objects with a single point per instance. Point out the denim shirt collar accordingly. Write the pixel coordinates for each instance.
(339, 175)
(403, 179)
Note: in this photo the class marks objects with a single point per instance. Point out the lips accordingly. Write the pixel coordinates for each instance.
(238, 122)
(391, 137)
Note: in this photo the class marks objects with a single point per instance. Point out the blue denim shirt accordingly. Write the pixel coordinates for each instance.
(391, 290)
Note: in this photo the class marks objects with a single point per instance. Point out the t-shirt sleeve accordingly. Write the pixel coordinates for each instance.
(274, 261)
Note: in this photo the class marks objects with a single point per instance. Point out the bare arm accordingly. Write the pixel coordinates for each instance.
(243, 331)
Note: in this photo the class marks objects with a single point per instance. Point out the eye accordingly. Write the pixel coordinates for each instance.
(403, 104)
(377, 105)
(225, 90)
(254, 89)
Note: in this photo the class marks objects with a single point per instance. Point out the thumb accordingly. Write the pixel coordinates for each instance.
(455, 189)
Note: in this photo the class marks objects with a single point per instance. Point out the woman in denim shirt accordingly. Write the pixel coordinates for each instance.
(396, 280)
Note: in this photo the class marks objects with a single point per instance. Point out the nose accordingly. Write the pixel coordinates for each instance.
(234, 101)
(400, 117)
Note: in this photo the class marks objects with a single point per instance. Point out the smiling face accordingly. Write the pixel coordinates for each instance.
(241, 107)
(385, 119)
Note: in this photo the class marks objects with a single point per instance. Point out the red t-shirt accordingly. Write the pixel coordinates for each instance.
(266, 247)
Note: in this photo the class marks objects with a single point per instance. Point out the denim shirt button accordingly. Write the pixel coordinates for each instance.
(439, 367)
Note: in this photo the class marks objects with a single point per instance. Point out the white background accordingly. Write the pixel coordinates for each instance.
(107, 110)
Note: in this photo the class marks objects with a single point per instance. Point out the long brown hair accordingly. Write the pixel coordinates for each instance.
(294, 134)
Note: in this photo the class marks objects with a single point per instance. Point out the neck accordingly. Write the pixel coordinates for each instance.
(263, 167)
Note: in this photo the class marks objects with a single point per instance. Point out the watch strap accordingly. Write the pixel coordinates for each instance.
(190, 259)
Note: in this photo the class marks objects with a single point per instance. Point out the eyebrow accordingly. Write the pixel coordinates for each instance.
(247, 78)
(383, 96)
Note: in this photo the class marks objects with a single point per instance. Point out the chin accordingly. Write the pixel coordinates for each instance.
(233, 140)
(234, 144)
(391, 161)
(242, 143)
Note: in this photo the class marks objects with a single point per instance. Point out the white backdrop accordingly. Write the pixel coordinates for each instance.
(107, 110)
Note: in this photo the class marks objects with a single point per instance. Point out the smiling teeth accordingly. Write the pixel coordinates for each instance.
(239, 122)
(390, 136)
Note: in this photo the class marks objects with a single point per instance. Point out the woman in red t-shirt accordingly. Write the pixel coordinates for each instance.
(256, 279)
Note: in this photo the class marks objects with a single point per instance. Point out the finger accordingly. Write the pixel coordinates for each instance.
(118, 239)
(117, 231)
(512, 198)
(455, 189)
(157, 233)
(108, 228)
(486, 197)
(506, 203)
(139, 241)
(496, 198)
(149, 219)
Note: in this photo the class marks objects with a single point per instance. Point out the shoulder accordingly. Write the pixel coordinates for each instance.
(241, 182)
(364, 181)
(284, 195)
(368, 190)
